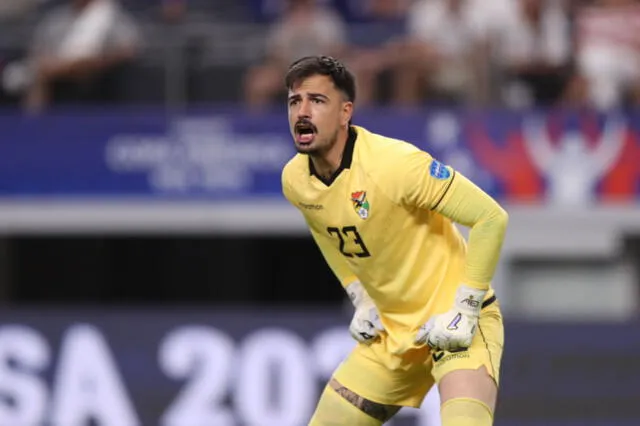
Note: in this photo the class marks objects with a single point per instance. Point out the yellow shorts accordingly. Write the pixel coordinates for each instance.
(365, 374)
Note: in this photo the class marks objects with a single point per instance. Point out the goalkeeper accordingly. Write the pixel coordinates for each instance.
(382, 213)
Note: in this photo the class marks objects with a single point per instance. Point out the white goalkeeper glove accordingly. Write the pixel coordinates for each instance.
(454, 329)
(365, 326)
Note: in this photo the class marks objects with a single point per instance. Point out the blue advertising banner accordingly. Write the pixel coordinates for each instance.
(226, 155)
(242, 367)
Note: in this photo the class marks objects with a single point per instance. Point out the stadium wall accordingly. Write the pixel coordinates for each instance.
(240, 366)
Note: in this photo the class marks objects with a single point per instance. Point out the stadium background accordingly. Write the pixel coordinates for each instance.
(151, 272)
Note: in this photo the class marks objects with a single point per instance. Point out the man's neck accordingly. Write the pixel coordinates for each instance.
(327, 163)
(325, 168)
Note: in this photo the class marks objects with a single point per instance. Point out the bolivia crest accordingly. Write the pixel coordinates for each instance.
(360, 203)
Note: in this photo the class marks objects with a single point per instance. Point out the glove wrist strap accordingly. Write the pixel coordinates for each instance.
(469, 300)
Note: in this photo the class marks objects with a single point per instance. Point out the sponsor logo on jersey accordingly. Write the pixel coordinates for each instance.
(445, 356)
(360, 203)
(439, 170)
(311, 206)
(437, 356)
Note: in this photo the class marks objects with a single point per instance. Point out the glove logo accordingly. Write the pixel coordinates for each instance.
(471, 302)
(360, 203)
(453, 325)
(366, 336)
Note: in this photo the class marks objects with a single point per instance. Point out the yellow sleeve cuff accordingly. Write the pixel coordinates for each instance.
(476, 284)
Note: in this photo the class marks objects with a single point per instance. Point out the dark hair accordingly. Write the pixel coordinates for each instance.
(308, 66)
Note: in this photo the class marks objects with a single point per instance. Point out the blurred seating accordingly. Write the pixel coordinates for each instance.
(304, 28)
(199, 51)
(608, 54)
(531, 46)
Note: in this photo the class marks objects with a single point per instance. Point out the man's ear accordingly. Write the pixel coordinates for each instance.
(347, 113)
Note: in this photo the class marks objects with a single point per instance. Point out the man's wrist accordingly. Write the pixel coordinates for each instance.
(357, 293)
(469, 300)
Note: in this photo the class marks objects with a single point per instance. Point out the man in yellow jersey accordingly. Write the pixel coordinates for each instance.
(382, 212)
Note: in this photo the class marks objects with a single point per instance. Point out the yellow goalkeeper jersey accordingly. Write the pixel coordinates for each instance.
(385, 219)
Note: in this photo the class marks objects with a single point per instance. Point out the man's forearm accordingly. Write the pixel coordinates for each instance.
(100, 62)
(54, 69)
(468, 205)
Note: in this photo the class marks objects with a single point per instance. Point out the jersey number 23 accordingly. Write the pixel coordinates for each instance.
(348, 237)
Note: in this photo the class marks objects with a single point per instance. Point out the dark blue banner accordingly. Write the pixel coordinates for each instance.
(227, 155)
(242, 367)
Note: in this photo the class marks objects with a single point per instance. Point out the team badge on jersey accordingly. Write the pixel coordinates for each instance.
(439, 170)
(360, 203)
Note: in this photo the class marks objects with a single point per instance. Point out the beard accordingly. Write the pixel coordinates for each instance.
(320, 145)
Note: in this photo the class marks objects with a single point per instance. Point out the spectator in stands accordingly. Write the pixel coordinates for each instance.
(78, 52)
(14, 14)
(16, 9)
(305, 28)
(531, 44)
(439, 51)
(608, 55)
(173, 11)
(376, 47)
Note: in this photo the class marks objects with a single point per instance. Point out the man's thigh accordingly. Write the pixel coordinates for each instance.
(474, 372)
(364, 374)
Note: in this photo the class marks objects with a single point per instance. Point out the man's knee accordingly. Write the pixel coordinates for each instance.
(468, 398)
(466, 412)
(472, 384)
(341, 406)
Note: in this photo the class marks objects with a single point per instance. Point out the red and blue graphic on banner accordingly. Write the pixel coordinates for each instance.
(559, 157)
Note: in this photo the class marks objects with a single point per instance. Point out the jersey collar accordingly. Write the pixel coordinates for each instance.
(347, 158)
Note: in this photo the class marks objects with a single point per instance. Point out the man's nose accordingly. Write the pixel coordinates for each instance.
(305, 109)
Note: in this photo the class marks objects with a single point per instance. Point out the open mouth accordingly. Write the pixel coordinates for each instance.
(305, 133)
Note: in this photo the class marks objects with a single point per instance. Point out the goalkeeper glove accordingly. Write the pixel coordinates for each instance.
(454, 329)
(365, 325)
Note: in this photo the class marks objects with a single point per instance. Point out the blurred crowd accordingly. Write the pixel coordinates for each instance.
(513, 53)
